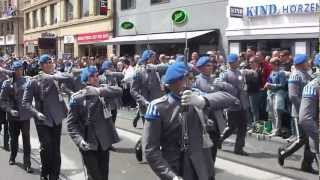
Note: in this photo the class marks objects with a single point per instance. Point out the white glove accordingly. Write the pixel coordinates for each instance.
(150, 66)
(41, 117)
(14, 113)
(146, 103)
(84, 145)
(177, 178)
(191, 98)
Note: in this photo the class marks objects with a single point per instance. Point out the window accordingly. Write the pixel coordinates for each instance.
(10, 28)
(27, 20)
(35, 19)
(44, 16)
(69, 9)
(54, 14)
(1, 30)
(84, 8)
(159, 1)
(102, 7)
(128, 4)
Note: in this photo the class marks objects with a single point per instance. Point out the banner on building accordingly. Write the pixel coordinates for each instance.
(92, 37)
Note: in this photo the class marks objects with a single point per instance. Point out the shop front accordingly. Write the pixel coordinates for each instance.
(91, 44)
(274, 25)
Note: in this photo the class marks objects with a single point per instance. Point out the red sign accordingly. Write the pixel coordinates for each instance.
(92, 37)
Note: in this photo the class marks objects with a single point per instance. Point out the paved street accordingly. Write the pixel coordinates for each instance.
(123, 165)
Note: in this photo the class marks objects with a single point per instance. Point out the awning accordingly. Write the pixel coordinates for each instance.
(178, 37)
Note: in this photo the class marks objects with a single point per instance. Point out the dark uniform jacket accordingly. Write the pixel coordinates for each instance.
(11, 97)
(145, 86)
(48, 98)
(89, 119)
(112, 79)
(162, 138)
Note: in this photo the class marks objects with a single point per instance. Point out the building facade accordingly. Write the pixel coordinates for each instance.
(72, 27)
(164, 25)
(11, 28)
(272, 25)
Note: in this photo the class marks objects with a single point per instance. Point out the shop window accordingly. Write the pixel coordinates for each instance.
(44, 16)
(84, 8)
(128, 4)
(70, 4)
(159, 1)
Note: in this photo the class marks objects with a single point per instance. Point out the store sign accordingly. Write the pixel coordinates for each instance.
(68, 39)
(179, 17)
(10, 40)
(2, 40)
(274, 9)
(127, 25)
(92, 37)
(48, 35)
(236, 12)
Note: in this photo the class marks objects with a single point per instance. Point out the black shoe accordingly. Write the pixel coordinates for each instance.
(134, 124)
(6, 147)
(28, 170)
(241, 153)
(309, 170)
(280, 157)
(43, 178)
(12, 162)
(219, 144)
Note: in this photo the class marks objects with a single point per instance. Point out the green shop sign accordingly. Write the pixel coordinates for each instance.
(179, 17)
(127, 25)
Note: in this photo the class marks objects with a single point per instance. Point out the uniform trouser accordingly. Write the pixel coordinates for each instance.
(114, 113)
(15, 128)
(3, 120)
(237, 120)
(215, 137)
(50, 138)
(136, 119)
(295, 146)
(96, 164)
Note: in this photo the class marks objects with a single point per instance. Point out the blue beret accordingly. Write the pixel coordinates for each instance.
(175, 72)
(232, 58)
(299, 59)
(106, 65)
(44, 58)
(146, 55)
(202, 61)
(16, 65)
(87, 72)
(317, 60)
(180, 58)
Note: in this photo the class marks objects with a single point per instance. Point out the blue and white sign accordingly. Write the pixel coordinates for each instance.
(274, 9)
